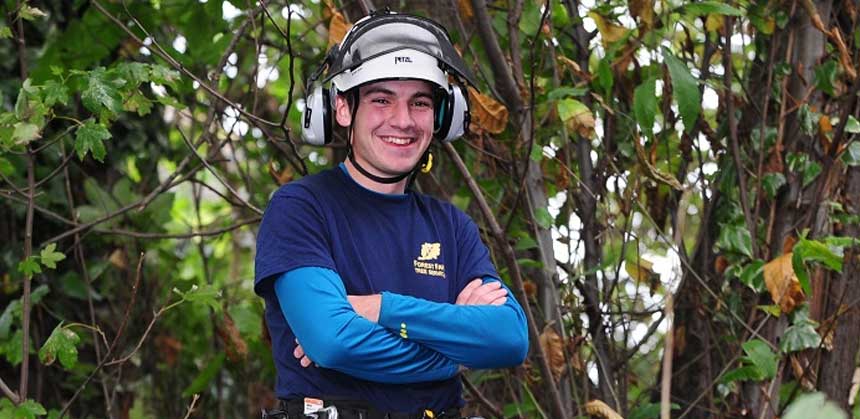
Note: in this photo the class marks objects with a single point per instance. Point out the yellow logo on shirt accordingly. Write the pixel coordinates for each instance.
(429, 251)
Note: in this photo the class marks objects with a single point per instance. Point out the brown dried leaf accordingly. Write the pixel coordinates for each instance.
(640, 269)
(844, 56)
(280, 176)
(788, 244)
(644, 10)
(781, 281)
(530, 288)
(801, 369)
(651, 170)
(168, 348)
(337, 28)
(465, 7)
(598, 408)
(720, 264)
(235, 346)
(117, 258)
(574, 68)
(488, 115)
(553, 347)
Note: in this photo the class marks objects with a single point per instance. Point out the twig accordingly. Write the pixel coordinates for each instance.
(204, 233)
(516, 276)
(494, 410)
(25, 298)
(8, 392)
(666, 385)
(191, 406)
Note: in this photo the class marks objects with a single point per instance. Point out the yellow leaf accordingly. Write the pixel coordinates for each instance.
(609, 32)
(598, 408)
(117, 258)
(337, 28)
(639, 270)
(714, 22)
(488, 115)
(782, 283)
(552, 346)
(574, 68)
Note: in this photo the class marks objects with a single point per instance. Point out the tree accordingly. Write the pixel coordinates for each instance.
(621, 155)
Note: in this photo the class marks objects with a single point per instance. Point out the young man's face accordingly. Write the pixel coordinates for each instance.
(393, 125)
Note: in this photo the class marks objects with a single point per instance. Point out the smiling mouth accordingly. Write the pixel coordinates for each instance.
(398, 140)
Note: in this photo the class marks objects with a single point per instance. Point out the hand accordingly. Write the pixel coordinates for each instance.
(299, 353)
(366, 306)
(478, 293)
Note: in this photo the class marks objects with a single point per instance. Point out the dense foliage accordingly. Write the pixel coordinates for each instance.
(672, 189)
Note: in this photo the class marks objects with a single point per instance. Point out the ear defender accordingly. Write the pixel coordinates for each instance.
(316, 125)
(454, 116)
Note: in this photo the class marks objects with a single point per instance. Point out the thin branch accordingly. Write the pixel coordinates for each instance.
(9, 393)
(204, 233)
(116, 338)
(192, 405)
(494, 410)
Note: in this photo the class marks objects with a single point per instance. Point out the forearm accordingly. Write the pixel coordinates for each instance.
(476, 336)
(315, 305)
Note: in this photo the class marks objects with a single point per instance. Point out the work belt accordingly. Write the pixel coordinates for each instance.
(299, 409)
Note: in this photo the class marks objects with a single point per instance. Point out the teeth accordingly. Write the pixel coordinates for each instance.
(397, 140)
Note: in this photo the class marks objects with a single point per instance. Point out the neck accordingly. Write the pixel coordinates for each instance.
(384, 188)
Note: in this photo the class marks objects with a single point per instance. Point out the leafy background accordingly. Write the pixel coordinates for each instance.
(670, 187)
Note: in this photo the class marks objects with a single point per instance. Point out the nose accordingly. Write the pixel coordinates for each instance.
(401, 116)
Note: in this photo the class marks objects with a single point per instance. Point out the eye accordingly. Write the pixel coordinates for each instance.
(423, 104)
(380, 100)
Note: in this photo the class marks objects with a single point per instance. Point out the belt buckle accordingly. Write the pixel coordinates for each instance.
(428, 414)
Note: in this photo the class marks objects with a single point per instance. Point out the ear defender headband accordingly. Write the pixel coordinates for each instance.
(384, 46)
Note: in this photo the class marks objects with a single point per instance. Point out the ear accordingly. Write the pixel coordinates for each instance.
(342, 112)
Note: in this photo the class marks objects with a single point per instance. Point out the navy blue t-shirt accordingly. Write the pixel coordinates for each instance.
(409, 244)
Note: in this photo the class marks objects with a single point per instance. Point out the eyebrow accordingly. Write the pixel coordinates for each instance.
(378, 89)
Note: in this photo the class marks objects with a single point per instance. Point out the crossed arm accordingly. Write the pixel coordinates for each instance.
(396, 338)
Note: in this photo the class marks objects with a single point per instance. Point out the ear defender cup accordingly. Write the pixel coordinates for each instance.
(316, 125)
(457, 118)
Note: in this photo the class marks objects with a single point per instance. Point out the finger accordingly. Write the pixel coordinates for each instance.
(478, 296)
(305, 362)
(298, 352)
(492, 297)
(467, 291)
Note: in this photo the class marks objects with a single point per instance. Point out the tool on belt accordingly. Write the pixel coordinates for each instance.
(310, 408)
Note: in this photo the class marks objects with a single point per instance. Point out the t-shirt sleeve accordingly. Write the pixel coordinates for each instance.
(473, 257)
(293, 234)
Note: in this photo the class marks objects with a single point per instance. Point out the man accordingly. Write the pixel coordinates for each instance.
(378, 296)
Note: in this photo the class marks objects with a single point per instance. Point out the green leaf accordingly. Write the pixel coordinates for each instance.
(605, 79)
(800, 336)
(645, 106)
(38, 293)
(55, 92)
(816, 251)
(772, 309)
(543, 218)
(11, 311)
(569, 108)
(744, 373)
(704, 8)
(814, 405)
(771, 183)
(760, 354)
(29, 267)
(852, 126)
(61, 344)
(13, 347)
(563, 92)
(851, 157)
(751, 275)
(25, 132)
(49, 256)
(5, 32)
(825, 77)
(202, 380)
(800, 271)
(138, 103)
(134, 72)
(101, 96)
(685, 90)
(6, 167)
(28, 12)
(89, 138)
(160, 74)
(526, 243)
(204, 294)
(30, 409)
(735, 238)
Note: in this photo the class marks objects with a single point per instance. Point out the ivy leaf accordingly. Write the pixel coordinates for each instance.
(704, 8)
(49, 256)
(771, 183)
(825, 77)
(744, 373)
(101, 96)
(735, 238)
(30, 409)
(645, 106)
(800, 335)
(25, 132)
(814, 405)
(751, 275)
(760, 355)
(89, 138)
(816, 251)
(55, 92)
(29, 267)
(61, 344)
(851, 157)
(685, 89)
